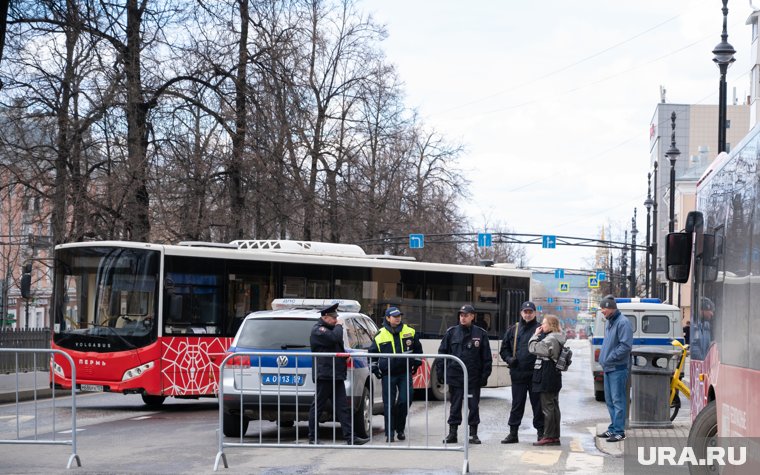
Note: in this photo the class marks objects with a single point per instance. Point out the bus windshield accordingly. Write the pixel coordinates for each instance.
(106, 298)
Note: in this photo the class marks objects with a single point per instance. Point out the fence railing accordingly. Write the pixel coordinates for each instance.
(258, 386)
(34, 424)
(24, 338)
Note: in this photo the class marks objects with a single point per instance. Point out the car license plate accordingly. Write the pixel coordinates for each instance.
(91, 388)
(283, 379)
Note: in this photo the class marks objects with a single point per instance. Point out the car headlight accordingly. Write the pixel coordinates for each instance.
(137, 371)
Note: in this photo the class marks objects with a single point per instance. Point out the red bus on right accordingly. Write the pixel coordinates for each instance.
(718, 253)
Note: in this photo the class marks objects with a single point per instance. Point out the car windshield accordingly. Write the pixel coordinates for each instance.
(275, 333)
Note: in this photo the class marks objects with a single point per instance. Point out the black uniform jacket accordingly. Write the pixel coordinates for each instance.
(472, 347)
(328, 339)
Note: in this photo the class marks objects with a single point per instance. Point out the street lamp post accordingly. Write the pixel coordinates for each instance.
(655, 226)
(672, 155)
(724, 56)
(634, 232)
(624, 266)
(648, 255)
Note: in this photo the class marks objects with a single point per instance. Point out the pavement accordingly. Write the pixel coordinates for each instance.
(680, 431)
(26, 387)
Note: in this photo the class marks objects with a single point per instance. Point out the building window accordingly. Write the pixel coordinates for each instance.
(728, 147)
(728, 123)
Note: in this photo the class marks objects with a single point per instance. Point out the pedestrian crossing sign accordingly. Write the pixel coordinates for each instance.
(593, 283)
(564, 286)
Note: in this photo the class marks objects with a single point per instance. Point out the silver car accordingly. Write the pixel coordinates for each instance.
(280, 387)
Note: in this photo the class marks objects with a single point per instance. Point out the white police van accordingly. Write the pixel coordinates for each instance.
(655, 325)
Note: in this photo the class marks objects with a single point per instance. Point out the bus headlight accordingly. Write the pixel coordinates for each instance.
(58, 370)
(137, 371)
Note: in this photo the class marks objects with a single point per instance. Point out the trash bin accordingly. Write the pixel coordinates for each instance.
(650, 387)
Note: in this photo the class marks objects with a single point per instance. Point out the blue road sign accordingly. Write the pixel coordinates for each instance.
(564, 286)
(576, 301)
(601, 275)
(559, 273)
(539, 308)
(548, 242)
(577, 308)
(559, 308)
(593, 283)
(484, 240)
(550, 299)
(416, 241)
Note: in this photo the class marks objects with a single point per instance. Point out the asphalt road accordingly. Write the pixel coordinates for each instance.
(117, 434)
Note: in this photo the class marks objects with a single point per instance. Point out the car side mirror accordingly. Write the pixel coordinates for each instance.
(678, 257)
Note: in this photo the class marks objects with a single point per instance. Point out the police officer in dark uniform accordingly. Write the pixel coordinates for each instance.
(327, 337)
(469, 343)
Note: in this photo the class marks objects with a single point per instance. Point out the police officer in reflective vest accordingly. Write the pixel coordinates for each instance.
(396, 373)
(470, 344)
(329, 374)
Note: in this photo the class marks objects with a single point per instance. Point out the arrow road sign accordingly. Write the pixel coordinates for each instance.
(559, 273)
(416, 241)
(548, 242)
(484, 240)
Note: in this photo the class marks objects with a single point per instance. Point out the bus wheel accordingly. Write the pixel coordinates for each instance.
(599, 396)
(704, 434)
(363, 416)
(231, 425)
(437, 390)
(153, 401)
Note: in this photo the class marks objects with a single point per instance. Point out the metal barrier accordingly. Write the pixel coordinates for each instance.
(252, 386)
(35, 438)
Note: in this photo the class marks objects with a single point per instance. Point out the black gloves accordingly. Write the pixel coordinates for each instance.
(376, 371)
(439, 376)
(512, 362)
(416, 365)
(483, 381)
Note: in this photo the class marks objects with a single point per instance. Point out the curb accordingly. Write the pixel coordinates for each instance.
(31, 395)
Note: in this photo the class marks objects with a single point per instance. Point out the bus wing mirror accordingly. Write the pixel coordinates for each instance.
(678, 257)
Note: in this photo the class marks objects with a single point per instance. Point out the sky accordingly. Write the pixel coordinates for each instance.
(552, 100)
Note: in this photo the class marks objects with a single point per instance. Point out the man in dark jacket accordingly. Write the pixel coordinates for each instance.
(470, 344)
(514, 352)
(396, 373)
(327, 337)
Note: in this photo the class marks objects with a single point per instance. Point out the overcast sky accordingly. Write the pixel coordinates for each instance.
(553, 99)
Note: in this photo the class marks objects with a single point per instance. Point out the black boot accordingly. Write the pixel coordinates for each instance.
(452, 437)
(474, 435)
(512, 437)
(540, 434)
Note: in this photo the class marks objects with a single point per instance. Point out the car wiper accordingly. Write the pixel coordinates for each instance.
(287, 347)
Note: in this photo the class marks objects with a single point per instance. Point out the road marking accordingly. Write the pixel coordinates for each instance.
(584, 463)
(575, 445)
(541, 457)
(69, 431)
(141, 418)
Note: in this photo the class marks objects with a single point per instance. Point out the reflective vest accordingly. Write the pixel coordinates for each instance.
(385, 340)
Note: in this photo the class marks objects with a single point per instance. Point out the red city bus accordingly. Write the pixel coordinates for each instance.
(156, 320)
(720, 251)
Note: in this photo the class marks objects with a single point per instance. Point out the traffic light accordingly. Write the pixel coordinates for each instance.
(26, 281)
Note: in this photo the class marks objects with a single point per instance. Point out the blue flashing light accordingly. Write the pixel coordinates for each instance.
(637, 300)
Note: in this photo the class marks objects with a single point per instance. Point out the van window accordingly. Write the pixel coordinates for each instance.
(632, 319)
(276, 333)
(655, 324)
